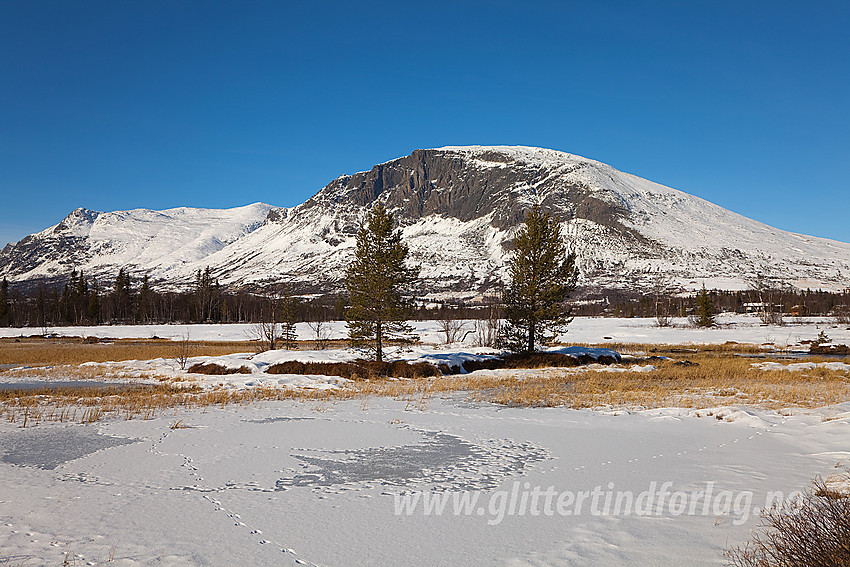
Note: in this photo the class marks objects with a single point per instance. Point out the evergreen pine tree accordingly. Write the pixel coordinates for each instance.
(122, 296)
(205, 294)
(5, 310)
(82, 286)
(377, 281)
(81, 298)
(145, 300)
(542, 275)
(93, 307)
(704, 313)
(66, 301)
(288, 318)
(41, 309)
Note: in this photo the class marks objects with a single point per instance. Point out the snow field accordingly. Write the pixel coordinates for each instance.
(319, 482)
(746, 329)
(285, 483)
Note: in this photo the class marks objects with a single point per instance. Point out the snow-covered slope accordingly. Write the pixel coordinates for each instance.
(155, 242)
(459, 207)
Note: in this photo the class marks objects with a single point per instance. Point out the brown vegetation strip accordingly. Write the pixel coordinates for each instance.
(358, 369)
(34, 351)
(710, 379)
(213, 369)
(713, 377)
(37, 351)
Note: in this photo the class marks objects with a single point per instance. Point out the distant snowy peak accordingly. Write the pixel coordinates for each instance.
(79, 220)
(140, 239)
(459, 208)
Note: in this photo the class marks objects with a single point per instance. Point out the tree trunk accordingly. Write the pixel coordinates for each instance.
(531, 330)
(379, 355)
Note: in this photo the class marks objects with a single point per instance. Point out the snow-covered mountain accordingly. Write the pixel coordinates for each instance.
(459, 207)
(154, 242)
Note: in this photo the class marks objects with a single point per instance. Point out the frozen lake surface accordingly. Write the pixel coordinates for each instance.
(47, 448)
(320, 483)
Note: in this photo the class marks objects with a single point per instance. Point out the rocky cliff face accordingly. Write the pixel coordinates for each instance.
(458, 207)
(451, 183)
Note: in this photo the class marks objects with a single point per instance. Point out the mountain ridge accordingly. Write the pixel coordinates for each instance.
(458, 207)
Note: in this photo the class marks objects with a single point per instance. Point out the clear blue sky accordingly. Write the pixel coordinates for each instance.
(116, 105)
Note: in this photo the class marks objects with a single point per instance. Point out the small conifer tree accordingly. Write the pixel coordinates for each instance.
(145, 300)
(41, 314)
(704, 312)
(93, 308)
(122, 300)
(543, 275)
(378, 282)
(5, 311)
(206, 293)
(288, 318)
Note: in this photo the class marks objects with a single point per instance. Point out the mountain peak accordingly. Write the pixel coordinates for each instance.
(78, 221)
(459, 207)
(82, 214)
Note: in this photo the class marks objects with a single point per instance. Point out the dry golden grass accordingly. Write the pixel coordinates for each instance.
(717, 378)
(66, 350)
(715, 382)
(87, 405)
(90, 372)
(64, 358)
(37, 351)
(683, 349)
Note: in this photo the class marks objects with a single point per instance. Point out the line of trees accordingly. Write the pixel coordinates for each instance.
(145, 302)
(128, 300)
(784, 302)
